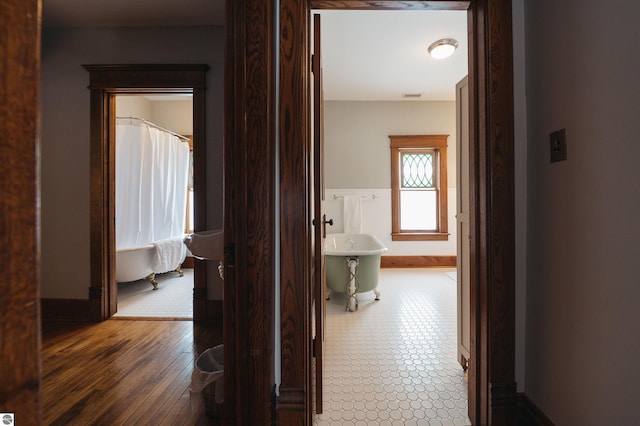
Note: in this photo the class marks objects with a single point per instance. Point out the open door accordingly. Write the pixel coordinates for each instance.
(462, 218)
(320, 221)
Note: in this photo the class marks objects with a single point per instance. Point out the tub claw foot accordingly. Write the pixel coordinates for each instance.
(377, 293)
(152, 279)
(180, 271)
(352, 303)
(353, 285)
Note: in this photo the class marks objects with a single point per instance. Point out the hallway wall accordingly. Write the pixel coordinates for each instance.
(65, 133)
(583, 280)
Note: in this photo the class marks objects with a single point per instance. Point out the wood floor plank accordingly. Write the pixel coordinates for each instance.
(179, 388)
(122, 372)
(160, 394)
(141, 374)
(175, 406)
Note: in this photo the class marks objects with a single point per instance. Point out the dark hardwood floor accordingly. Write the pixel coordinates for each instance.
(122, 372)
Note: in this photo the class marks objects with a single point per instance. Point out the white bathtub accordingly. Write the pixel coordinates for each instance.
(353, 264)
(136, 263)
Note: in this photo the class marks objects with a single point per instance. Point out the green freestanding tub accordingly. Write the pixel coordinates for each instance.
(353, 264)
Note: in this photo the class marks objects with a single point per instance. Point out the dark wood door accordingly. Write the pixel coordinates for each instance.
(320, 220)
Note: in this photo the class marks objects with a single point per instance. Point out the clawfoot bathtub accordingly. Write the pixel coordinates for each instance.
(136, 263)
(353, 265)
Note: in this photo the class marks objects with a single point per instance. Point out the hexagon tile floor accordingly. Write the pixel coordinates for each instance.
(393, 361)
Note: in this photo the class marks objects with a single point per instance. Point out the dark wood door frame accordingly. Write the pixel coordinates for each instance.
(105, 82)
(20, 319)
(267, 105)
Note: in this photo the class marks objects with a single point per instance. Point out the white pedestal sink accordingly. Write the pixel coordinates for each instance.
(207, 245)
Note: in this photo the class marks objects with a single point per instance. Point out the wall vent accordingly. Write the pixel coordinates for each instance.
(411, 95)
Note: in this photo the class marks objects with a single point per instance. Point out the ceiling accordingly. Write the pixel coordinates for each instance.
(366, 55)
(380, 55)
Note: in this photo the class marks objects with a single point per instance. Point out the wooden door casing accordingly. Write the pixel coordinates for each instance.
(250, 69)
(251, 225)
(105, 81)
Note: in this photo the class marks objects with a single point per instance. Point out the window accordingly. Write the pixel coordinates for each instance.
(419, 188)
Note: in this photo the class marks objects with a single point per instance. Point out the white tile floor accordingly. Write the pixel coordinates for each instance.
(172, 300)
(394, 361)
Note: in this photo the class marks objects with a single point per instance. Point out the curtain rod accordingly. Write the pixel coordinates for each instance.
(184, 138)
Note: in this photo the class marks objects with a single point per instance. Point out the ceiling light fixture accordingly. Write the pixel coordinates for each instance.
(443, 48)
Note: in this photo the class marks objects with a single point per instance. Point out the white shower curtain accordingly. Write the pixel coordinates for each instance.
(152, 168)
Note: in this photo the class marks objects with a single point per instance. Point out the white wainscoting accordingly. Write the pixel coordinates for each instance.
(376, 220)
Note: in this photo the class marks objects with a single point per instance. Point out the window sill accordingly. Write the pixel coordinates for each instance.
(420, 236)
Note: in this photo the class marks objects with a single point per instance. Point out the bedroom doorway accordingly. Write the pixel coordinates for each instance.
(106, 82)
(154, 202)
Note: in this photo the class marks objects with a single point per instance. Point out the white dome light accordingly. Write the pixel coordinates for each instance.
(443, 48)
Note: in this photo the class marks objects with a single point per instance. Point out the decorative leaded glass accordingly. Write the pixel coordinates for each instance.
(417, 170)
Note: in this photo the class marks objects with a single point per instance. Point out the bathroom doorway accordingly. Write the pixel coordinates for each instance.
(377, 197)
(154, 202)
(106, 82)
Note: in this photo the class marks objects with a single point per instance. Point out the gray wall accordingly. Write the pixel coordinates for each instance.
(357, 153)
(520, 187)
(65, 134)
(583, 283)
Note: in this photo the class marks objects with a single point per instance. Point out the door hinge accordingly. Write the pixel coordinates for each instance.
(313, 59)
(313, 347)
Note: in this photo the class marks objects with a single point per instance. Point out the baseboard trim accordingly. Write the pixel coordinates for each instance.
(65, 310)
(79, 310)
(188, 263)
(529, 414)
(417, 261)
(290, 406)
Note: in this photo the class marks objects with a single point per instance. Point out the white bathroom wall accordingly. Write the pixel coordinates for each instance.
(133, 106)
(176, 115)
(173, 114)
(357, 161)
